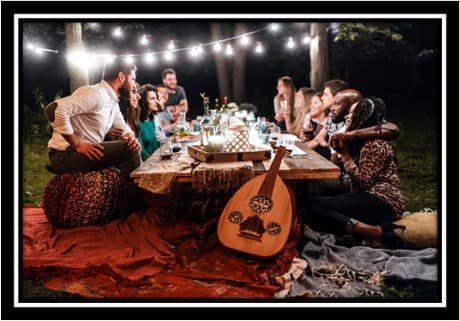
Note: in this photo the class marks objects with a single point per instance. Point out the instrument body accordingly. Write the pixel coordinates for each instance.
(257, 219)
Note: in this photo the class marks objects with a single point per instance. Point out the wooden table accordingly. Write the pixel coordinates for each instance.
(311, 165)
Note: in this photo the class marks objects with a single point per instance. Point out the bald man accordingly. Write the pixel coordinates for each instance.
(335, 125)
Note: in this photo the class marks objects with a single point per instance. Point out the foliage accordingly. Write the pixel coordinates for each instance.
(35, 178)
(35, 123)
(367, 31)
(249, 107)
(369, 41)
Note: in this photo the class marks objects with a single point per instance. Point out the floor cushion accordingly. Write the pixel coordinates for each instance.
(85, 198)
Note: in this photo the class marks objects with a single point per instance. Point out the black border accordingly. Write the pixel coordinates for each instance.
(448, 8)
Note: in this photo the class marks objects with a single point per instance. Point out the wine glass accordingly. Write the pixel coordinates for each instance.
(166, 149)
(275, 133)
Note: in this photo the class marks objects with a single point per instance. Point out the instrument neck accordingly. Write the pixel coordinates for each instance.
(269, 182)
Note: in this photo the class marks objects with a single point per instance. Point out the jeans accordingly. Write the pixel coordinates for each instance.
(116, 154)
(330, 214)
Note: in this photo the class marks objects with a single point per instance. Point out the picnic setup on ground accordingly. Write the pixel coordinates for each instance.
(155, 197)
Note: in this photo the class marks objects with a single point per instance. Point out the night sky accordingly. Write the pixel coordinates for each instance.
(398, 73)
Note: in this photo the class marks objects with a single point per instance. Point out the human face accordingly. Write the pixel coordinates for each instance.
(170, 81)
(349, 116)
(339, 109)
(134, 97)
(299, 101)
(129, 81)
(316, 107)
(163, 94)
(152, 100)
(328, 98)
(281, 87)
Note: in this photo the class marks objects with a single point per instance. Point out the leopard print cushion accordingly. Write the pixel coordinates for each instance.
(79, 199)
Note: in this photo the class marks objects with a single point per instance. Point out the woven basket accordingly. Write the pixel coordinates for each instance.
(237, 139)
(79, 199)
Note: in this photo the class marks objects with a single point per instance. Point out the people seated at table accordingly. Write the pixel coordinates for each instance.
(167, 114)
(151, 131)
(283, 102)
(129, 107)
(375, 198)
(176, 94)
(331, 88)
(82, 120)
(302, 103)
(314, 122)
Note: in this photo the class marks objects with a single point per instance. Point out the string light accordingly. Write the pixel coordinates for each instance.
(117, 32)
(290, 44)
(259, 49)
(217, 47)
(306, 40)
(144, 40)
(274, 27)
(229, 50)
(149, 58)
(194, 50)
(168, 55)
(245, 40)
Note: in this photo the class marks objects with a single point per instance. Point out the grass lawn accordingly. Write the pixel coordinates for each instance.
(416, 151)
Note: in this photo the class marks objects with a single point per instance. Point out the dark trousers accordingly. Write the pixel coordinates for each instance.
(116, 154)
(330, 214)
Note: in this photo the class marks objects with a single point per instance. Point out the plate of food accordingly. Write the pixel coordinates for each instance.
(188, 139)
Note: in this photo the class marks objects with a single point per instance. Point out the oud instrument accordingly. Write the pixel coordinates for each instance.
(257, 218)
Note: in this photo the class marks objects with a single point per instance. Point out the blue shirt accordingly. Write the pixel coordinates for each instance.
(147, 138)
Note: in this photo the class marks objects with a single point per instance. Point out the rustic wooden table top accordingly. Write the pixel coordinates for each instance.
(303, 163)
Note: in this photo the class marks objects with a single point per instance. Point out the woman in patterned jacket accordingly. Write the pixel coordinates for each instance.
(375, 199)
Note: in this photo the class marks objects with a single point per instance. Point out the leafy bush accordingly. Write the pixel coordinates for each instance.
(35, 126)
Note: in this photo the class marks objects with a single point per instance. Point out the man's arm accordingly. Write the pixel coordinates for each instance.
(319, 140)
(389, 131)
(183, 105)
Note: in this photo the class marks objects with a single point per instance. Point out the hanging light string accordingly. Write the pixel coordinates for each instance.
(202, 45)
(195, 50)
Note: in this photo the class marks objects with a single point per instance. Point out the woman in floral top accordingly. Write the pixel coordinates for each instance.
(375, 199)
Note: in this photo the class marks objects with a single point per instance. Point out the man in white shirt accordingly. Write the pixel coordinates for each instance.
(82, 120)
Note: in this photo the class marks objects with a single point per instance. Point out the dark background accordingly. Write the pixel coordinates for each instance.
(406, 74)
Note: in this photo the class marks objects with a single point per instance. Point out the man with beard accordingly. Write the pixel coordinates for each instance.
(338, 99)
(82, 120)
(333, 134)
(177, 98)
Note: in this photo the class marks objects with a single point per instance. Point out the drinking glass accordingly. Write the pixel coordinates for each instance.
(275, 133)
(166, 150)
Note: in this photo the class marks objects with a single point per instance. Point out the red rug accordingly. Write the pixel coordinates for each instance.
(138, 257)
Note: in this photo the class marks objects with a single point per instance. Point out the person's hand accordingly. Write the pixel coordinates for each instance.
(306, 134)
(116, 132)
(133, 142)
(279, 117)
(338, 143)
(91, 150)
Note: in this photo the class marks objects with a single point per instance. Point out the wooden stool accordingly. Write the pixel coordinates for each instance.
(85, 198)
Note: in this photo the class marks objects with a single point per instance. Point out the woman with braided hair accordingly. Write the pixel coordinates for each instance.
(375, 199)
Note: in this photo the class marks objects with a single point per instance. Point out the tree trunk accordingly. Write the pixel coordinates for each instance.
(239, 68)
(74, 42)
(222, 75)
(319, 57)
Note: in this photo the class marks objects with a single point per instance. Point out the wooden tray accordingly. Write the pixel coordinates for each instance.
(201, 153)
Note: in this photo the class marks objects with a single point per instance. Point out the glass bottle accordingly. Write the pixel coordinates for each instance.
(205, 124)
(182, 126)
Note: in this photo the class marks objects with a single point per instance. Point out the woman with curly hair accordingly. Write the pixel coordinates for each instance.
(375, 200)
